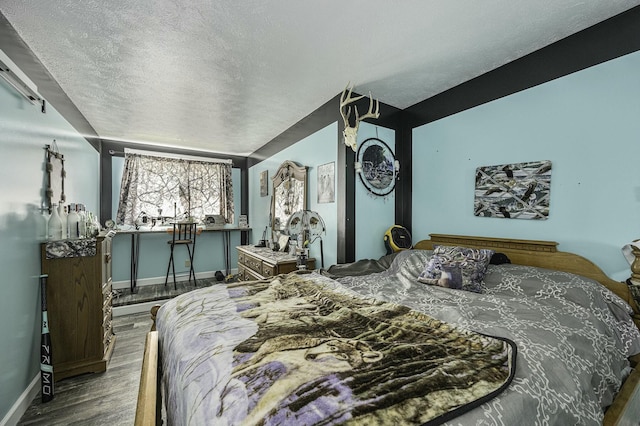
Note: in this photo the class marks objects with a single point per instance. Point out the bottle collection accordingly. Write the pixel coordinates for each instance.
(71, 222)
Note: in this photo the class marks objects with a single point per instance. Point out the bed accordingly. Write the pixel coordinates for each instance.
(537, 344)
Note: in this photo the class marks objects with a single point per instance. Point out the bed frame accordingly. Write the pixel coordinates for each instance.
(542, 254)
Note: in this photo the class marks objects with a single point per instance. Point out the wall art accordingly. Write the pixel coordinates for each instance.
(54, 192)
(264, 183)
(326, 183)
(377, 167)
(513, 191)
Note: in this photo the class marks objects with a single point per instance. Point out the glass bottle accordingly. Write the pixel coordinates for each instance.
(73, 220)
(55, 224)
(82, 225)
(64, 216)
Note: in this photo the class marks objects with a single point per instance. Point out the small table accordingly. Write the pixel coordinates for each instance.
(257, 263)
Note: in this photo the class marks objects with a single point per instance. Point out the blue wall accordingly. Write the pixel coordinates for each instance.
(24, 131)
(313, 151)
(373, 214)
(587, 124)
(154, 251)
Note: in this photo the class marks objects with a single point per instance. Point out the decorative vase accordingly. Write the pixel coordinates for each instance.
(55, 224)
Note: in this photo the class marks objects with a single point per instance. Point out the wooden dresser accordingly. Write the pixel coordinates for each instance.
(256, 263)
(79, 299)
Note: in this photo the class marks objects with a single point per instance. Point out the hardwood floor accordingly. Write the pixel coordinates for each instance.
(107, 398)
(155, 292)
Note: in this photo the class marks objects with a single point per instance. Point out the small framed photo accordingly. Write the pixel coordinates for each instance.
(326, 183)
(264, 183)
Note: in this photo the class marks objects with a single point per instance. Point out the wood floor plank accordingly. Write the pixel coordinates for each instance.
(107, 398)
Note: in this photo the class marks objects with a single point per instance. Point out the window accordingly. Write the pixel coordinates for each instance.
(172, 186)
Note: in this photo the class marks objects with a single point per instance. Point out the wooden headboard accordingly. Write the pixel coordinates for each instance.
(543, 254)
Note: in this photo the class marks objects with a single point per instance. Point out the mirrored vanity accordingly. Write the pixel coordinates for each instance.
(289, 195)
(289, 186)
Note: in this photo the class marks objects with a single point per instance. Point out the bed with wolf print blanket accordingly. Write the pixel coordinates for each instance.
(298, 350)
(573, 339)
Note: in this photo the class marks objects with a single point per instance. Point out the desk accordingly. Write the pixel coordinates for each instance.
(135, 245)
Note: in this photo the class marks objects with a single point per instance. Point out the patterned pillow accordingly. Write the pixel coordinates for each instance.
(457, 267)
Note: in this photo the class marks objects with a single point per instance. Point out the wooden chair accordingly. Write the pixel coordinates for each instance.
(183, 234)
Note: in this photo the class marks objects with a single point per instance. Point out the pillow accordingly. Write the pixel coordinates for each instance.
(457, 267)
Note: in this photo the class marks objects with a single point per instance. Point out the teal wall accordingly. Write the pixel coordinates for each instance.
(587, 124)
(24, 131)
(313, 151)
(154, 250)
(373, 214)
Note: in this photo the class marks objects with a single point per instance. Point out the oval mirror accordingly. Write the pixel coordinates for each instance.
(289, 194)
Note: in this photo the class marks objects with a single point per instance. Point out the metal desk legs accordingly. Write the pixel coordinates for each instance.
(135, 256)
(226, 240)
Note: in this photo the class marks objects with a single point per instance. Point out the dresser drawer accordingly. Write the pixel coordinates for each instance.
(107, 301)
(107, 316)
(247, 274)
(108, 332)
(253, 263)
(106, 289)
(108, 337)
(268, 270)
(242, 272)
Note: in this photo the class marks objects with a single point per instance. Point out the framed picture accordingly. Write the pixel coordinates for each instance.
(377, 167)
(513, 191)
(264, 183)
(326, 183)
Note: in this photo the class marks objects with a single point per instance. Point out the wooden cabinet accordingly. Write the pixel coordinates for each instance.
(79, 299)
(256, 263)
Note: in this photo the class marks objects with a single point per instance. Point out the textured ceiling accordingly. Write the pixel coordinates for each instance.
(229, 76)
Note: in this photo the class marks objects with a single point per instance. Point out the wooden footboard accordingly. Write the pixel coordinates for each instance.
(148, 410)
(149, 406)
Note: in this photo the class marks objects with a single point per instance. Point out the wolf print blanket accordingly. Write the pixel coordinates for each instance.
(291, 351)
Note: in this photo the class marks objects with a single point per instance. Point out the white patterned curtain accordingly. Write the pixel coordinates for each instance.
(156, 186)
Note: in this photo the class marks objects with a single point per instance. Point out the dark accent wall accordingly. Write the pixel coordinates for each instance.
(607, 40)
(602, 42)
(328, 113)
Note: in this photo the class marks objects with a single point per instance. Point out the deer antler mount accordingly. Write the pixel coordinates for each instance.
(351, 133)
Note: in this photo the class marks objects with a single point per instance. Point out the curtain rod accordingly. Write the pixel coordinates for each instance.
(176, 156)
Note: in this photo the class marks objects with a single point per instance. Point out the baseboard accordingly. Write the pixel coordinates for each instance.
(22, 404)
(183, 276)
(136, 308)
